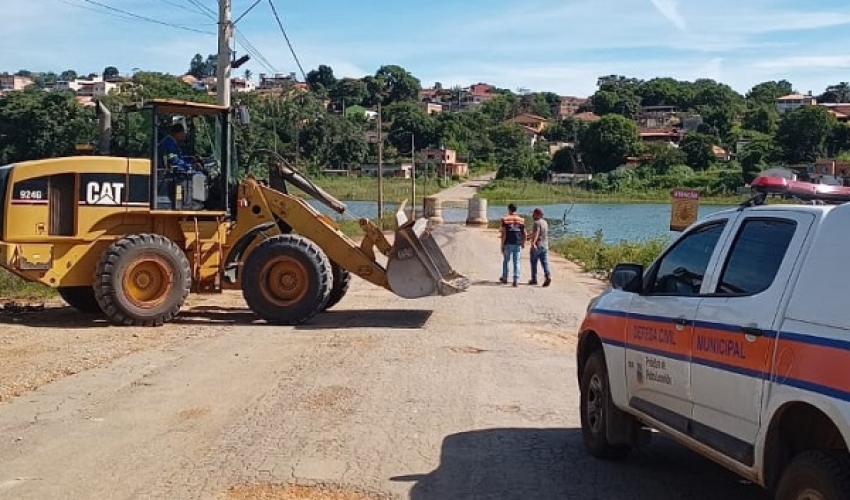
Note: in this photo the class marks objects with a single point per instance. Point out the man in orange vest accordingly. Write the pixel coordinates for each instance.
(513, 235)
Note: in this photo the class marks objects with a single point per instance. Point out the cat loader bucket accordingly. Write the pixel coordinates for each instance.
(416, 266)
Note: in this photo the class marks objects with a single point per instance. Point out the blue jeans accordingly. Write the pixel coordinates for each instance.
(511, 252)
(539, 255)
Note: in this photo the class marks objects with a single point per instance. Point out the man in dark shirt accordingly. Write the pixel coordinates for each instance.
(513, 241)
(170, 148)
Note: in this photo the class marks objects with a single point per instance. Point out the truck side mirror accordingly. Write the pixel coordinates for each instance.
(627, 277)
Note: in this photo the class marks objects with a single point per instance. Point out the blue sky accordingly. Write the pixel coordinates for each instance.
(542, 45)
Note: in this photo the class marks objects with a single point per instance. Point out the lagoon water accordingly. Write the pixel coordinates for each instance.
(617, 221)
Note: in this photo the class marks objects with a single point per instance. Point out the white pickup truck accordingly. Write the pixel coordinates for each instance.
(735, 342)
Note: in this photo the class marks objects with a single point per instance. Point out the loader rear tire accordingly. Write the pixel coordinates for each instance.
(287, 280)
(142, 280)
(341, 282)
(80, 298)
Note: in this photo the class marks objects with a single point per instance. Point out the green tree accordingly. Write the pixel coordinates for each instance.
(110, 72)
(563, 161)
(523, 163)
(665, 92)
(752, 163)
(407, 118)
(397, 84)
(718, 120)
(836, 93)
(662, 157)
(500, 108)
(803, 133)
(197, 68)
(698, 150)
(322, 79)
(621, 102)
(839, 140)
(68, 75)
(349, 91)
(606, 143)
(36, 124)
(766, 93)
(211, 65)
(509, 137)
(762, 118)
(713, 94)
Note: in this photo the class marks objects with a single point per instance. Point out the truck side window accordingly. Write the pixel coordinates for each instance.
(755, 256)
(682, 269)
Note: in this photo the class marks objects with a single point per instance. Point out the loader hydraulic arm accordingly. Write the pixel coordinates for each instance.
(259, 205)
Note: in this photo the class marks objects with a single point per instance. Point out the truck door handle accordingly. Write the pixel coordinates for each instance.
(752, 331)
(681, 323)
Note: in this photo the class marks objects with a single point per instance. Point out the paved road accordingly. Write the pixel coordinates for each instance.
(464, 397)
(465, 190)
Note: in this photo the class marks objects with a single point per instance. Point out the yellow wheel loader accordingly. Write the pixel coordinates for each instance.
(131, 236)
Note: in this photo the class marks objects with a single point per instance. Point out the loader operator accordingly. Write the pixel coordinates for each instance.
(170, 148)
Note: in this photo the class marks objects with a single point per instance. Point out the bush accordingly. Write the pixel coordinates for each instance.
(596, 256)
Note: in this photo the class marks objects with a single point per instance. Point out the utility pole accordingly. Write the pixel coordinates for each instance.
(225, 31)
(380, 170)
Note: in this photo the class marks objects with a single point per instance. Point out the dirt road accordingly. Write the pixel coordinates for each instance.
(470, 396)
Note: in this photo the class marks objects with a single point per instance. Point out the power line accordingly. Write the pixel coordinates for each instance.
(247, 11)
(240, 38)
(93, 9)
(282, 30)
(175, 4)
(148, 19)
(249, 47)
(203, 9)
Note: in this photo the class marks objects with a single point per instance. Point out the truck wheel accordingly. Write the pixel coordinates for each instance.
(816, 475)
(80, 298)
(287, 280)
(341, 282)
(595, 402)
(142, 280)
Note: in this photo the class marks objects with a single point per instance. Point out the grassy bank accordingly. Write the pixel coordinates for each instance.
(596, 256)
(530, 192)
(366, 188)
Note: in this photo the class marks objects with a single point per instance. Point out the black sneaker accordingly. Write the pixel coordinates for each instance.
(532, 282)
(547, 282)
(503, 281)
(514, 283)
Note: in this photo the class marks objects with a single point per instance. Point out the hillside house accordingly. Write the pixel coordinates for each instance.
(569, 106)
(14, 82)
(794, 101)
(445, 162)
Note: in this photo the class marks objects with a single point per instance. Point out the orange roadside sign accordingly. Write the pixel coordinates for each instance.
(684, 208)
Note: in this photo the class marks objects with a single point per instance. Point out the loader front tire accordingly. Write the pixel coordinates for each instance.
(80, 298)
(341, 282)
(142, 280)
(287, 280)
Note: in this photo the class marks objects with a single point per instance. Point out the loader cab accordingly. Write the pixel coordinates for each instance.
(189, 145)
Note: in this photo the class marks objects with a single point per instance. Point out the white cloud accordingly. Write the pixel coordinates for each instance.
(805, 62)
(670, 10)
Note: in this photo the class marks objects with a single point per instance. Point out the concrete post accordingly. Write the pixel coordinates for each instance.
(433, 210)
(477, 212)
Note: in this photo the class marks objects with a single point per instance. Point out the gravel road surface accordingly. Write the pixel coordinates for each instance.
(465, 397)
